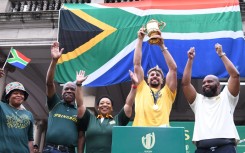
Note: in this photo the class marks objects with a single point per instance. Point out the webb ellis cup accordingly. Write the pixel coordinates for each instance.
(152, 28)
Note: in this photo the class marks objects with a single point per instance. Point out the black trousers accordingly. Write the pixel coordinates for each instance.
(222, 149)
(50, 148)
(220, 145)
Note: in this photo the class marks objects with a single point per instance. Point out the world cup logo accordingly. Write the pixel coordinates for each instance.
(148, 140)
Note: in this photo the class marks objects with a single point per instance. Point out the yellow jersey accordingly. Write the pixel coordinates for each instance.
(147, 113)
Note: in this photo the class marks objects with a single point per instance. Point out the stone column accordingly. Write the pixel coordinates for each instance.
(3, 79)
(4, 5)
(39, 5)
(39, 127)
(56, 5)
(16, 7)
(22, 6)
(45, 5)
(42, 140)
(2, 84)
(33, 7)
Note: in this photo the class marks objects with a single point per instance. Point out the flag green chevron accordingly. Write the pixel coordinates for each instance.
(15, 58)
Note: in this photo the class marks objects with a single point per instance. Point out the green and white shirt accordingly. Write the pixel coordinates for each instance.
(99, 134)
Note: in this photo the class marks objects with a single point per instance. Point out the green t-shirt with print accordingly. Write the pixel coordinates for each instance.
(16, 128)
(62, 123)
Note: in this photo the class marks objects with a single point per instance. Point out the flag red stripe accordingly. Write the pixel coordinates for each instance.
(175, 4)
(23, 56)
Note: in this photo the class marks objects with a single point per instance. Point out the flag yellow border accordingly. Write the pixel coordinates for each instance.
(107, 30)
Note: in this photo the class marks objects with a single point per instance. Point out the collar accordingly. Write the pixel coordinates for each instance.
(107, 116)
(69, 105)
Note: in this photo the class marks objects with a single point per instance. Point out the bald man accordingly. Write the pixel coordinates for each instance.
(214, 129)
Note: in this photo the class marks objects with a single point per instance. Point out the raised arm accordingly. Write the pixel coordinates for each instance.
(55, 55)
(234, 80)
(138, 70)
(128, 107)
(171, 77)
(188, 89)
(79, 93)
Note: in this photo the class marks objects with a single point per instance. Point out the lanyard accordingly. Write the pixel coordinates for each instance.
(155, 96)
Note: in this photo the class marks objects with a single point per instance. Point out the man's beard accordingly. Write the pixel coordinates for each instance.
(212, 92)
(154, 85)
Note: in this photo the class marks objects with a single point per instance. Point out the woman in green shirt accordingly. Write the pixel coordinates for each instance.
(98, 129)
(16, 123)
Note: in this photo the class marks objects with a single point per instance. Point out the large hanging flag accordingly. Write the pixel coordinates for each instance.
(101, 38)
(17, 59)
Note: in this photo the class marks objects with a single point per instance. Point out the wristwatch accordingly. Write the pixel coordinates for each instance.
(165, 48)
(222, 54)
(79, 84)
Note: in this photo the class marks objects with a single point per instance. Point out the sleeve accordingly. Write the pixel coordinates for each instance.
(141, 84)
(51, 102)
(3, 97)
(195, 103)
(170, 94)
(31, 128)
(121, 118)
(232, 100)
(82, 123)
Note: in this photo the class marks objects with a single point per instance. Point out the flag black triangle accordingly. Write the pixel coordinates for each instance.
(71, 26)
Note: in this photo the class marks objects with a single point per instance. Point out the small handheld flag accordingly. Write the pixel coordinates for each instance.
(17, 59)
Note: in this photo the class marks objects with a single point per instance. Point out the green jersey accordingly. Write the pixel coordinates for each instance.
(98, 134)
(62, 123)
(16, 128)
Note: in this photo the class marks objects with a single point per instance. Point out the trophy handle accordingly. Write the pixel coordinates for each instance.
(145, 31)
(162, 25)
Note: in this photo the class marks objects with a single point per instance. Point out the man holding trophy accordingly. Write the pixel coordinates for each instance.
(153, 103)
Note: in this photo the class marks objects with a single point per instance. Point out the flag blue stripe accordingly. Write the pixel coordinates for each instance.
(206, 60)
(18, 64)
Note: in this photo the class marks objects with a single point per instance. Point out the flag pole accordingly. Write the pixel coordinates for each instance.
(6, 59)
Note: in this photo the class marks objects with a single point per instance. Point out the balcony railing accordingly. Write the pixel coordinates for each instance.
(35, 6)
(26, 17)
(242, 8)
(24, 10)
(44, 5)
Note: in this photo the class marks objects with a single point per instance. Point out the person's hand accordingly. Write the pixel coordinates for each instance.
(191, 53)
(159, 36)
(141, 33)
(80, 77)
(218, 49)
(1, 72)
(134, 78)
(55, 51)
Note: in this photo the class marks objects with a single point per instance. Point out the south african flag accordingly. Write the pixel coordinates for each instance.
(101, 38)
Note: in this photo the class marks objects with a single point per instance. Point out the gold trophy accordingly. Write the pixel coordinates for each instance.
(152, 29)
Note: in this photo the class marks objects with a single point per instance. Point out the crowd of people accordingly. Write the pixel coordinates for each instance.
(153, 97)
